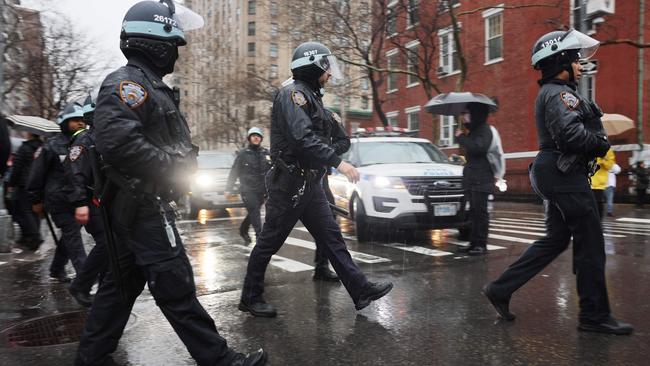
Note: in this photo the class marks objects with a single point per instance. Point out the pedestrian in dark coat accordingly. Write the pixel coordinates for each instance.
(478, 178)
(642, 175)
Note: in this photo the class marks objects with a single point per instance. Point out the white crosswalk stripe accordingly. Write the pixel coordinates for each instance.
(417, 249)
(466, 243)
(357, 256)
(286, 264)
(609, 228)
(540, 232)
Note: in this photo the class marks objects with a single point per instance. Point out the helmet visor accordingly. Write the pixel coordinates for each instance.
(330, 64)
(187, 19)
(576, 40)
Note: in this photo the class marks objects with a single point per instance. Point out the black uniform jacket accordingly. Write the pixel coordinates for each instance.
(78, 168)
(570, 124)
(250, 166)
(298, 126)
(47, 182)
(139, 129)
(477, 174)
(22, 163)
(335, 134)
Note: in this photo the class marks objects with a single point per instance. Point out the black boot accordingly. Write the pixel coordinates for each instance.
(477, 251)
(257, 358)
(323, 273)
(83, 298)
(610, 326)
(501, 304)
(247, 238)
(374, 291)
(258, 308)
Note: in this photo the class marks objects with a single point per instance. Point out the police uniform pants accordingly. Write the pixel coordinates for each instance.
(27, 219)
(571, 212)
(97, 260)
(320, 255)
(281, 216)
(479, 217)
(253, 202)
(147, 256)
(70, 247)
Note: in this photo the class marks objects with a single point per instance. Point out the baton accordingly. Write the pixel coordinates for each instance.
(113, 253)
(51, 226)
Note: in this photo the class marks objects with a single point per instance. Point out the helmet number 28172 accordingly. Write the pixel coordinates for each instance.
(164, 19)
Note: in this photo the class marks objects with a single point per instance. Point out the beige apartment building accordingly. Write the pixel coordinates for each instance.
(232, 67)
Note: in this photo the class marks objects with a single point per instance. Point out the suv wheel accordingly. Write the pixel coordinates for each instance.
(360, 221)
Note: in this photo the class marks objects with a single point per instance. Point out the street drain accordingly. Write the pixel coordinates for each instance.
(45, 331)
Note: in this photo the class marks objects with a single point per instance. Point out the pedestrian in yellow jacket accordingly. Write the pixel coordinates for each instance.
(599, 180)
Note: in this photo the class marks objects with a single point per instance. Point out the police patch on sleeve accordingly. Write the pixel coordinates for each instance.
(298, 97)
(569, 100)
(75, 152)
(132, 94)
(336, 117)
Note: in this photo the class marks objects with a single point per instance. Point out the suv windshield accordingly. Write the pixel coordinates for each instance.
(215, 161)
(402, 152)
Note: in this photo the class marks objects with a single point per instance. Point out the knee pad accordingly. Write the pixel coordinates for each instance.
(171, 280)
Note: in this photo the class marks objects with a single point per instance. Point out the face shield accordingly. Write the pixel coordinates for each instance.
(187, 19)
(585, 45)
(330, 65)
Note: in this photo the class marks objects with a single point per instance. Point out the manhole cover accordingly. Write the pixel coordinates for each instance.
(46, 331)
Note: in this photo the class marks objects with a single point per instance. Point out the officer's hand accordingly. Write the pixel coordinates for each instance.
(349, 171)
(38, 208)
(81, 215)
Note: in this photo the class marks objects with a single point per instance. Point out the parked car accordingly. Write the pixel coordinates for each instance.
(209, 183)
(406, 183)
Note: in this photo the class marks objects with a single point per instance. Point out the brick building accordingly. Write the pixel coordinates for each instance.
(496, 38)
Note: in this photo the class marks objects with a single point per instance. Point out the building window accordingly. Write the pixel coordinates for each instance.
(273, 50)
(250, 112)
(365, 84)
(413, 118)
(576, 19)
(251, 28)
(412, 64)
(251, 49)
(443, 5)
(364, 102)
(391, 117)
(448, 126)
(250, 69)
(391, 63)
(273, 9)
(493, 35)
(274, 30)
(391, 22)
(251, 7)
(448, 56)
(412, 9)
(273, 72)
(591, 85)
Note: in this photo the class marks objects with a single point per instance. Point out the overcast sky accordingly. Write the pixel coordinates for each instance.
(100, 19)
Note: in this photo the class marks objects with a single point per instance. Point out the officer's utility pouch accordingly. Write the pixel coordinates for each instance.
(566, 161)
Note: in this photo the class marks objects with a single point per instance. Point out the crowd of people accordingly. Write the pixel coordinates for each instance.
(121, 161)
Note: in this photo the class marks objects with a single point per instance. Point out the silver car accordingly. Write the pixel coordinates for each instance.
(209, 183)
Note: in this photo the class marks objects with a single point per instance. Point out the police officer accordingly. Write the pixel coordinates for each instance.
(78, 168)
(49, 190)
(23, 214)
(570, 136)
(145, 143)
(338, 140)
(478, 178)
(249, 167)
(294, 184)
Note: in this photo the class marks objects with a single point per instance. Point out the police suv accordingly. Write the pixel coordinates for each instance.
(406, 183)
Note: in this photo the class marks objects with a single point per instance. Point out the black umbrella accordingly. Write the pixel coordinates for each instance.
(33, 124)
(454, 103)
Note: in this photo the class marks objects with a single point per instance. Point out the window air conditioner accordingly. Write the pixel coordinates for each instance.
(600, 7)
(444, 143)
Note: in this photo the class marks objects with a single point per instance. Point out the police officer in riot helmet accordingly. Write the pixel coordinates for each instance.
(294, 184)
(570, 136)
(49, 190)
(250, 166)
(78, 167)
(145, 145)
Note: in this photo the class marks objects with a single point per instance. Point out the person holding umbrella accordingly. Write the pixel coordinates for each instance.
(475, 138)
(571, 137)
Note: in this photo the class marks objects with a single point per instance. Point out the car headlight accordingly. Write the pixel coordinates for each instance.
(385, 182)
(203, 180)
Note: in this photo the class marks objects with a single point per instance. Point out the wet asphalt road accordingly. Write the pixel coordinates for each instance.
(434, 316)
